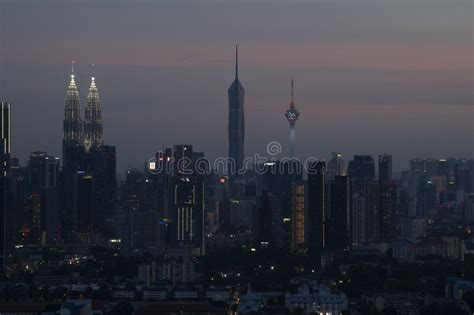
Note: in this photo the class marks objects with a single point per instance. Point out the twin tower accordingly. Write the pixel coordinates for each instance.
(77, 132)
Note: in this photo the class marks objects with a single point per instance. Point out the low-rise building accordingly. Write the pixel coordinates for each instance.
(316, 298)
(218, 293)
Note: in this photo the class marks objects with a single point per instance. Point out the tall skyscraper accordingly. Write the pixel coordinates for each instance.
(83, 206)
(317, 211)
(93, 123)
(340, 218)
(189, 190)
(362, 167)
(385, 168)
(292, 115)
(4, 181)
(389, 214)
(72, 124)
(299, 218)
(359, 219)
(43, 173)
(102, 163)
(268, 220)
(336, 166)
(236, 94)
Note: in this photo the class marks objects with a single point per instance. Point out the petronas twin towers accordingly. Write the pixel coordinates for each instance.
(77, 132)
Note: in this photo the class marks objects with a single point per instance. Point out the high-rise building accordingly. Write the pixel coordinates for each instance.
(241, 211)
(385, 168)
(268, 220)
(277, 177)
(369, 191)
(362, 167)
(299, 218)
(83, 206)
(84, 152)
(72, 124)
(359, 219)
(93, 123)
(336, 166)
(189, 200)
(317, 210)
(102, 164)
(32, 231)
(20, 183)
(43, 171)
(138, 223)
(389, 213)
(292, 114)
(431, 167)
(339, 236)
(236, 94)
(144, 232)
(417, 165)
(468, 208)
(421, 195)
(4, 181)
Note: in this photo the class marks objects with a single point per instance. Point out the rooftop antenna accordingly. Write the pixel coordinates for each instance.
(236, 62)
(292, 87)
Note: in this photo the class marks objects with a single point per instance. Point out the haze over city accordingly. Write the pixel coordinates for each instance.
(370, 76)
(246, 157)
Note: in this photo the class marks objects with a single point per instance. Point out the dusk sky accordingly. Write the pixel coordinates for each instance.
(371, 76)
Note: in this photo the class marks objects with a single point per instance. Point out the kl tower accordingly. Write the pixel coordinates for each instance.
(292, 115)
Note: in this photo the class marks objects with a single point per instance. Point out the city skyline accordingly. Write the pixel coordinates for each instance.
(412, 83)
(151, 162)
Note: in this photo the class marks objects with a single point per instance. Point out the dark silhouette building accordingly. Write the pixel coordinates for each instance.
(4, 182)
(389, 211)
(87, 162)
(340, 214)
(189, 199)
(83, 206)
(102, 164)
(268, 220)
(93, 124)
(236, 94)
(72, 124)
(317, 210)
(43, 173)
(362, 167)
(385, 168)
(299, 217)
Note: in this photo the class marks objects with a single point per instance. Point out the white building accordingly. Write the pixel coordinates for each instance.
(218, 293)
(154, 294)
(317, 298)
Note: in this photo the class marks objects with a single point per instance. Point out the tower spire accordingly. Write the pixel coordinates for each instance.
(92, 76)
(72, 123)
(292, 114)
(72, 83)
(292, 88)
(93, 124)
(236, 62)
